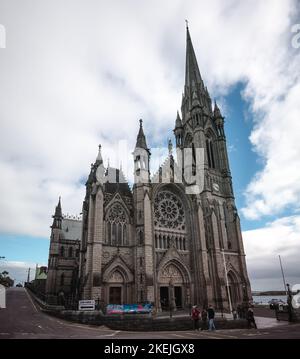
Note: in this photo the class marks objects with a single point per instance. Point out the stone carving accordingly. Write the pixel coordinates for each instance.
(171, 273)
(116, 277)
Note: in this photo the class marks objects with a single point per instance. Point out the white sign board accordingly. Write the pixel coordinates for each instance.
(86, 305)
(2, 296)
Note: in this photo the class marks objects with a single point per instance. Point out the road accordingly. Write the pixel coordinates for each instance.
(23, 319)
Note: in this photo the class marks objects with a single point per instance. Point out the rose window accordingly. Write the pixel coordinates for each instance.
(168, 211)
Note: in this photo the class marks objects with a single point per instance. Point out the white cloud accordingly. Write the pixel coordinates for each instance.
(262, 247)
(75, 74)
(276, 139)
(18, 271)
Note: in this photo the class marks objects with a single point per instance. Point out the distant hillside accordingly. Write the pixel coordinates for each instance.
(269, 292)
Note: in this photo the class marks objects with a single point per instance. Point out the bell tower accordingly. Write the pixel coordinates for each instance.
(144, 261)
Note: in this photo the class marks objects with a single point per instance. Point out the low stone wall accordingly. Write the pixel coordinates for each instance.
(131, 322)
(42, 304)
(140, 322)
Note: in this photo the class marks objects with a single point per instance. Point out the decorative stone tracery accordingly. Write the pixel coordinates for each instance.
(168, 211)
(117, 226)
(169, 221)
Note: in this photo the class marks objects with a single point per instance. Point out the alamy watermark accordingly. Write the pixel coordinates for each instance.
(187, 167)
(296, 38)
(2, 37)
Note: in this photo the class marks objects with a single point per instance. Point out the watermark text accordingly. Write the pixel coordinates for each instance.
(296, 38)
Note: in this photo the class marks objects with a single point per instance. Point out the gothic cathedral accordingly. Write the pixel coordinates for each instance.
(162, 241)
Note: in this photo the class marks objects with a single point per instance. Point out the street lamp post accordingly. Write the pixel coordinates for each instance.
(289, 302)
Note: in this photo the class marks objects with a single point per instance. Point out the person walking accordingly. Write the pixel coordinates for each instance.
(195, 317)
(211, 317)
(239, 311)
(203, 319)
(250, 318)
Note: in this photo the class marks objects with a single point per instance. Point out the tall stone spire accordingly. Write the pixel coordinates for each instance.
(192, 73)
(178, 123)
(194, 86)
(57, 218)
(217, 112)
(58, 211)
(99, 158)
(141, 139)
(141, 155)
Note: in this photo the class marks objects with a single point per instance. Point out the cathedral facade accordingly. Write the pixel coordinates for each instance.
(167, 240)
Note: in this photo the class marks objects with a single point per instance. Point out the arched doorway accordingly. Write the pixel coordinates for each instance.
(172, 287)
(116, 288)
(117, 283)
(233, 287)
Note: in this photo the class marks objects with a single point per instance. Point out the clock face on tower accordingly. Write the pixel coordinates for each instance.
(216, 187)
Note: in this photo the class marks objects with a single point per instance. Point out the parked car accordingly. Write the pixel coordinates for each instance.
(19, 285)
(274, 303)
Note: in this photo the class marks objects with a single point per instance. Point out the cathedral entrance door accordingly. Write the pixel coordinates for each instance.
(115, 295)
(178, 297)
(164, 298)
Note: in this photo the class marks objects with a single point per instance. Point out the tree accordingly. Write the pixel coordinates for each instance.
(5, 279)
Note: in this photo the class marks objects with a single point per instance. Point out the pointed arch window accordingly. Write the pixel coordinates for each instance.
(62, 251)
(62, 279)
(233, 285)
(194, 160)
(141, 237)
(210, 153)
(70, 252)
(117, 226)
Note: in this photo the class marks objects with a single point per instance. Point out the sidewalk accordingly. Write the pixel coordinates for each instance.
(186, 313)
(262, 322)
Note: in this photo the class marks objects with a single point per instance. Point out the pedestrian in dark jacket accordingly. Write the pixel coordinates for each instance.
(239, 311)
(234, 313)
(195, 317)
(203, 319)
(250, 318)
(211, 317)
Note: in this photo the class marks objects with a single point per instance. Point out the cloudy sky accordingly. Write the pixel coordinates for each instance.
(78, 73)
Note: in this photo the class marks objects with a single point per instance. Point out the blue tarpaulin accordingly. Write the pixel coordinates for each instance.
(128, 308)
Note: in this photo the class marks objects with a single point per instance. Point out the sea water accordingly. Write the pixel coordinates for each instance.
(264, 299)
